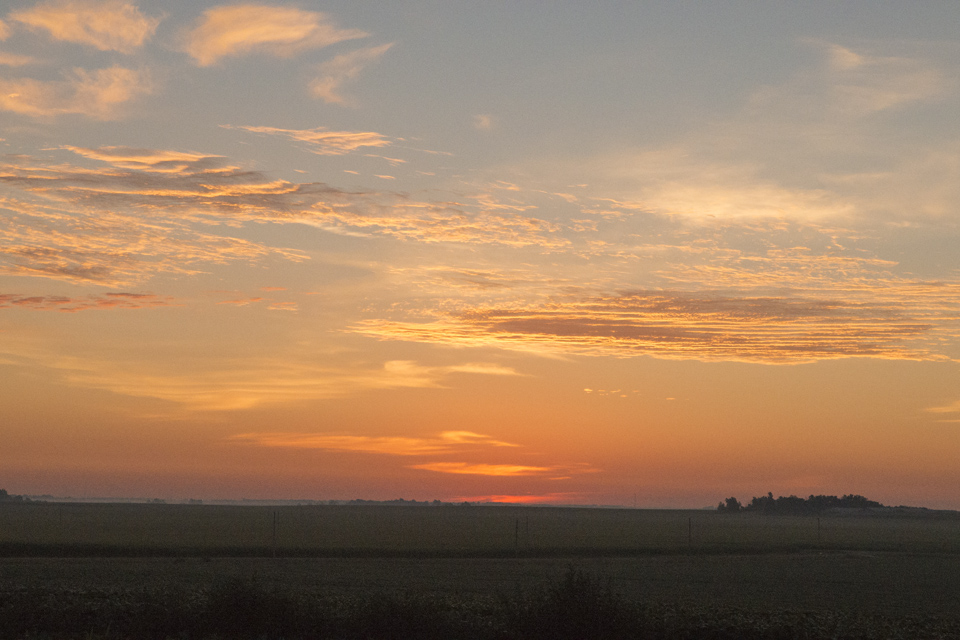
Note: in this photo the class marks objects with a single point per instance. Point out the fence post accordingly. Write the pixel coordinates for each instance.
(275, 518)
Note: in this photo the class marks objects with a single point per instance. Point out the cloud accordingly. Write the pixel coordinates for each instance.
(14, 60)
(4, 30)
(152, 160)
(241, 302)
(546, 498)
(185, 188)
(445, 442)
(342, 69)
(324, 142)
(85, 303)
(100, 95)
(834, 116)
(195, 381)
(480, 469)
(705, 326)
(953, 407)
(56, 224)
(242, 29)
(483, 122)
(861, 83)
(108, 25)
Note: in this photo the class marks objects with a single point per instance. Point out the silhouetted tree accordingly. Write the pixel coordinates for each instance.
(6, 497)
(730, 505)
(794, 505)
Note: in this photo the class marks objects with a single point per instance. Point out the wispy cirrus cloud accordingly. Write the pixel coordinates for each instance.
(4, 30)
(342, 69)
(183, 188)
(209, 384)
(445, 442)
(241, 29)
(834, 115)
(153, 160)
(57, 225)
(322, 141)
(705, 326)
(859, 82)
(107, 25)
(100, 95)
(66, 304)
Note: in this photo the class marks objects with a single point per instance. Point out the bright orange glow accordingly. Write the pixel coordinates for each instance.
(551, 498)
(482, 469)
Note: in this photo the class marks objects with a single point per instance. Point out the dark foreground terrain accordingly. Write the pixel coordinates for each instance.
(795, 595)
(497, 574)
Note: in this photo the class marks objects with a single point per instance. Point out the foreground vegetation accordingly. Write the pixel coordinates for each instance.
(577, 605)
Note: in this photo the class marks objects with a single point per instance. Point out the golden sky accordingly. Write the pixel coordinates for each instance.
(649, 253)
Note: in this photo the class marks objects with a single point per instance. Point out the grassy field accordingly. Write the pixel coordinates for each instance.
(160, 529)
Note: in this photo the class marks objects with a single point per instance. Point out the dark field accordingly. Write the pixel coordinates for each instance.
(458, 531)
(472, 572)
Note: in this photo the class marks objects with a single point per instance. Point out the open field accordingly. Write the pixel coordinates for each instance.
(194, 571)
(159, 529)
(877, 583)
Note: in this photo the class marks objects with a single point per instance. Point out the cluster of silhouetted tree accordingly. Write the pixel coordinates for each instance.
(793, 505)
(6, 497)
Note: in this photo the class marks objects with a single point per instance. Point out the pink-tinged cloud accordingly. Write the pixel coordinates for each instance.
(546, 498)
(108, 25)
(324, 142)
(706, 326)
(481, 469)
(328, 86)
(85, 303)
(193, 187)
(44, 234)
(241, 29)
(99, 95)
(445, 442)
(152, 160)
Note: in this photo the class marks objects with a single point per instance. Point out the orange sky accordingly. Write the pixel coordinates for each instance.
(654, 255)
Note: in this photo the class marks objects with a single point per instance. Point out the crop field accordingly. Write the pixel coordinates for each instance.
(104, 571)
(160, 529)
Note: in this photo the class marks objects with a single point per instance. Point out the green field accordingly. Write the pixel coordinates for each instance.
(160, 529)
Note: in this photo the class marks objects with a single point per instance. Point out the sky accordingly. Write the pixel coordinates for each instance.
(647, 254)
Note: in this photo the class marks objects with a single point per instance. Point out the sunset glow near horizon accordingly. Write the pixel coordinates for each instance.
(651, 254)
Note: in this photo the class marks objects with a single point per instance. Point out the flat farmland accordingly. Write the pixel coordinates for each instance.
(884, 583)
(202, 571)
(458, 531)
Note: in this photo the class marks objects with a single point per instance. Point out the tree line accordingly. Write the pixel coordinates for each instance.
(7, 497)
(794, 505)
